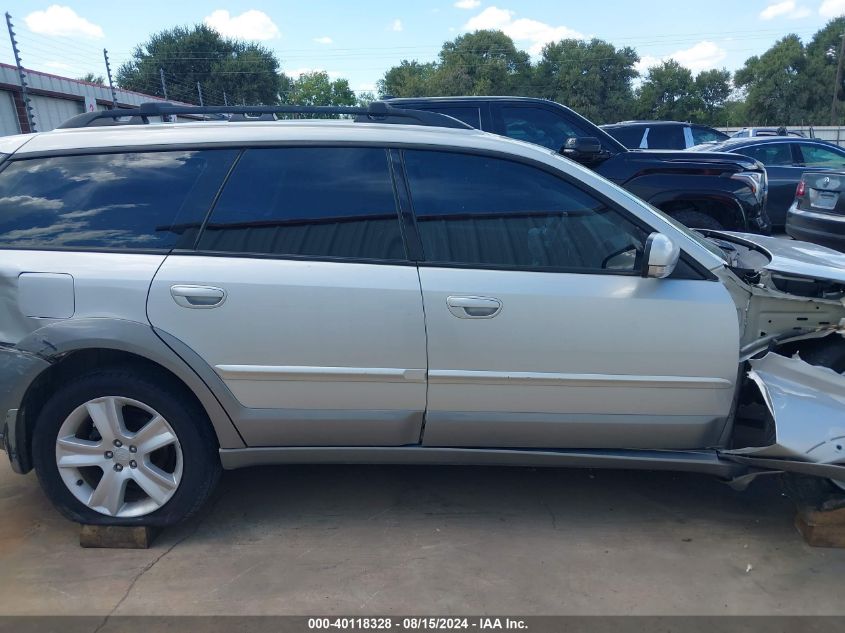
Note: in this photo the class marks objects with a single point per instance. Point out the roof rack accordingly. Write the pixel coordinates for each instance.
(376, 112)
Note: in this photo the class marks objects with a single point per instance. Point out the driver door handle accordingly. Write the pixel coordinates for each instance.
(474, 307)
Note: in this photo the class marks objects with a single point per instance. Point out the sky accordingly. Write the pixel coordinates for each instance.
(361, 40)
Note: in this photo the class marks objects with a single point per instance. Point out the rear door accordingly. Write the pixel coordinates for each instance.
(540, 331)
(301, 297)
(784, 172)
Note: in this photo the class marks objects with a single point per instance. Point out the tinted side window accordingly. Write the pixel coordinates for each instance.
(498, 213)
(540, 126)
(630, 136)
(706, 135)
(315, 202)
(470, 116)
(818, 156)
(150, 200)
(666, 137)
(769, 153)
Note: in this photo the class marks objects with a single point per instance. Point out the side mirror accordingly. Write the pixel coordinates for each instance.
(660, 256)
(581, 148)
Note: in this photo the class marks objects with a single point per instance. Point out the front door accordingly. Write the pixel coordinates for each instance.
(540, 331)
(301, 298)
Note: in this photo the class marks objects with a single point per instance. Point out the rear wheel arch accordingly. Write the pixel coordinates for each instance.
(74, 346)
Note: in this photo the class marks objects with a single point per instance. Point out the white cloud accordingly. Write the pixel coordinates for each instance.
(249, 25)
(787, 9)
(702, 56)
(396, 25)
(832, 8)
(467, 4)
(324, 40)
(533, 32)
(62, 21)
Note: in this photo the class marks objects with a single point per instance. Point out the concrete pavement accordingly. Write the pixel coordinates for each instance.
(433, 540)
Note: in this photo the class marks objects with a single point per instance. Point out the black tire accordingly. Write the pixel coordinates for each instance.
(826, 352)
(201, 462)
(809, 491)
(698, 220)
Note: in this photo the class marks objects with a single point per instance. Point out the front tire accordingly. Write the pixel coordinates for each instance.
(124, 447)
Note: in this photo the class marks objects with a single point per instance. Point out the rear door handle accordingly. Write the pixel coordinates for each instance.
(474, 307)
(198, 296)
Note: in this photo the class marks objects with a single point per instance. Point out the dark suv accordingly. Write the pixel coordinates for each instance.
(702, 190)
(662, 134)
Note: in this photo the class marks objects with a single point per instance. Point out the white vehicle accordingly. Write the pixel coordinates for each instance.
(180, 298)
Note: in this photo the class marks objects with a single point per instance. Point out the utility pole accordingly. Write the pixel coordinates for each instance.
(30, 119)
(225, 99)
(163, 85)
(199, 92)
(111, 83)
(834, 120)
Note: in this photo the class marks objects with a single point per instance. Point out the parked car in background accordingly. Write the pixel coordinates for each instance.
(753, 132)
(181, 298)
(701, 190)
(786, 158)
(818, 212)
(662, 134)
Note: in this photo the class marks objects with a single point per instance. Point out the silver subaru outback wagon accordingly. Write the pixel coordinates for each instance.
(180, 298)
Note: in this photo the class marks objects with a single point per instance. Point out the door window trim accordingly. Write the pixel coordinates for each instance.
(703, 273)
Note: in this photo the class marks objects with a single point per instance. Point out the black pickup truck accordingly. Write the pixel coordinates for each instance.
(700, 189)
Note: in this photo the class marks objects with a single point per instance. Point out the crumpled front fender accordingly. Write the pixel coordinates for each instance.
(807, 404)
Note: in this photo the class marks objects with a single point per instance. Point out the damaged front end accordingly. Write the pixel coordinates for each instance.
(806, 432)
(790, 299)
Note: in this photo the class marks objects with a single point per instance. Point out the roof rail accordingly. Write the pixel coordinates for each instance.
(376, 112)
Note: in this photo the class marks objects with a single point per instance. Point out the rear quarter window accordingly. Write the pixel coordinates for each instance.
(629, 136)
(139, 200)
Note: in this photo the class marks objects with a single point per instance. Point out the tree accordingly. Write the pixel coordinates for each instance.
(246, 72)
(91, 78)
(713, 89)
(366, 98)
(594, 78)
(822, 58)
(408, 79)
(481, 63)
(775, 84)
(316, 89)
(668, 93)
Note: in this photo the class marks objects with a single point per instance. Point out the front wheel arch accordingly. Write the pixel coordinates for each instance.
(724, 211)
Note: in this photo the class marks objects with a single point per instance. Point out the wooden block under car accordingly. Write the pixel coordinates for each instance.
(117, 536)
(822, 528)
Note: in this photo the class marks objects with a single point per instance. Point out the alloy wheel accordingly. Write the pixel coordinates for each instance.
(119, 457)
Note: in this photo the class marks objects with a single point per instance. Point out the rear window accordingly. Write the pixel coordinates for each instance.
(149, 200)
(324, 202)
(666, 137)
(630, 136)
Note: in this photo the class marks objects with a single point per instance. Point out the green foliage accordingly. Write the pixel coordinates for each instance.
(408, 79)
(316, 89)
(481, 63)
(246, 72)
(775, 82)
(91, 78)
(366, 98)
(594, 78)
(668, 93)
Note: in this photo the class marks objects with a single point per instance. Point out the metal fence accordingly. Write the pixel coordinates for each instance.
(831, 133)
